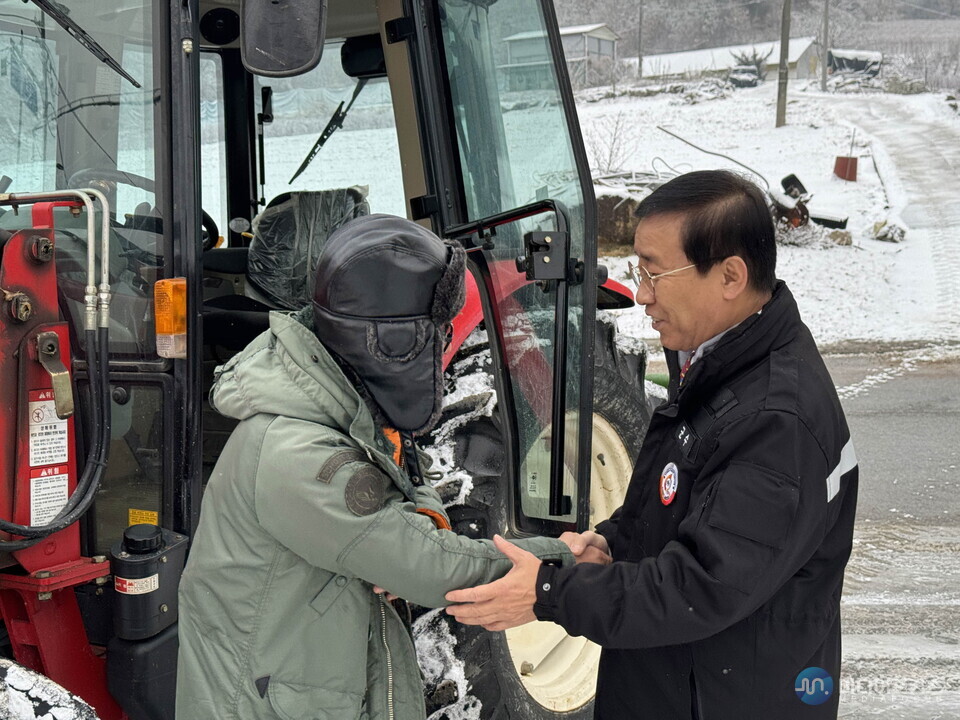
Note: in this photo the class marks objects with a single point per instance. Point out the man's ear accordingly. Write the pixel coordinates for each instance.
(734, 277)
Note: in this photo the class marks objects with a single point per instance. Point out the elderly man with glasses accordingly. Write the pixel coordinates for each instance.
(722, 596)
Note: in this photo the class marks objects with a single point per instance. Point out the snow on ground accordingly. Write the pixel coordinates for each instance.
(870, 290)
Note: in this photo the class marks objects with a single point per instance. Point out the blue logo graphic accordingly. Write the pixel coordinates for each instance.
(814, 686)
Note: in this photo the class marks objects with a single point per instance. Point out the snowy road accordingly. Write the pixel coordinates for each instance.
(901, 604)
(924, 149)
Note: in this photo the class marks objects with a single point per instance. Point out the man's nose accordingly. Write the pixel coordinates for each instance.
(644, 296)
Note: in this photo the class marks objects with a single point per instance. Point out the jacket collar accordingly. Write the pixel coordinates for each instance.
(743, 346)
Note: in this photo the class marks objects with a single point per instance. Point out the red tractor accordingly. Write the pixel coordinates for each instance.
(170, 171)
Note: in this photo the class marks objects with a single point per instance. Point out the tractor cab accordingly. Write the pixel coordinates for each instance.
(169, 175)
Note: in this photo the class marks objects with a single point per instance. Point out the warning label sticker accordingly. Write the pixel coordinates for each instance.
(48, 493)
(136, 586)
(48, 433)
(136, 517)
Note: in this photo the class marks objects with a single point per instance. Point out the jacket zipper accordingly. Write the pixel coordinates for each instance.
(386, 647)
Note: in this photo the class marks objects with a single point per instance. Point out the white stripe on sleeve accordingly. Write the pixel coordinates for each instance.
(848, 461)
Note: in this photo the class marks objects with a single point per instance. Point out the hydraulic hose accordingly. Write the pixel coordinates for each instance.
(89, 482)
(97, 355)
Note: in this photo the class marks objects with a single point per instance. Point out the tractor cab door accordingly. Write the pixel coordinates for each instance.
(518, 194)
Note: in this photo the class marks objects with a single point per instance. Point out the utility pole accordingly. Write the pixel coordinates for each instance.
(825, 40)
(640, 42)
(784, 66)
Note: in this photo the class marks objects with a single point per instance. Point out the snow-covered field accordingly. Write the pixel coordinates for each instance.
(869, 290)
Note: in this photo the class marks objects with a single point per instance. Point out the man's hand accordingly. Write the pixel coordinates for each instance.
(389, 595)
(504, 603)
(587, 547)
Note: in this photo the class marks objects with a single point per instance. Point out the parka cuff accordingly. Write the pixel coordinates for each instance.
(546, 606)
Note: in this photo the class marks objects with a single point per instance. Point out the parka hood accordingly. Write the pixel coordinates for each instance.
(287, 371)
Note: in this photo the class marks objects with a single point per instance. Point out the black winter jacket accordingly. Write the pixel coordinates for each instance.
(728, 571)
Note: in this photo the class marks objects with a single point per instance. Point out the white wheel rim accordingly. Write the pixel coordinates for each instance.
(557, 670)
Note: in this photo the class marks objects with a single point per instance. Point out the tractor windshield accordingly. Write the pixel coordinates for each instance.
(70, 119)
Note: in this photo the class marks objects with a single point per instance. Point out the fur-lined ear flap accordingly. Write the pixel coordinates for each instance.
(450, 292)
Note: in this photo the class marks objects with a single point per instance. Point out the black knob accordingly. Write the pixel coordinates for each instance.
(142, 539)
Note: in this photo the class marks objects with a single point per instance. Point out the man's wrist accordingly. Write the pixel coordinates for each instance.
(545, 607)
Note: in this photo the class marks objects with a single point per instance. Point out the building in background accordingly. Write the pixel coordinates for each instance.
(590, 50)
(803, 60)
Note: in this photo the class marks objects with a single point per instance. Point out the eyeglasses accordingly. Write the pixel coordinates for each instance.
(644, 280)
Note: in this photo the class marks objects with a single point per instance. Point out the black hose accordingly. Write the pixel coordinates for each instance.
(98, 365)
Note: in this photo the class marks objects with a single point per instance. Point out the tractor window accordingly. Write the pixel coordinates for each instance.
(131, 490)
(514, 138)
(71, 121)
(512, 134)
(364, 152)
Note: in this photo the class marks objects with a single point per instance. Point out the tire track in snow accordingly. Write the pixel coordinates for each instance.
(903, 363)
(926, 153)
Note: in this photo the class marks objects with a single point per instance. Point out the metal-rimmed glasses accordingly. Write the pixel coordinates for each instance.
(643, 279)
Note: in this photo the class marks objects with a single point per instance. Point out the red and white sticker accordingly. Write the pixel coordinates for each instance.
(48, 433)
(669, 479)
(48, 493)
(136, 586)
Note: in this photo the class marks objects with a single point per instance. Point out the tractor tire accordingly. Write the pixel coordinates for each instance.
(498, 667)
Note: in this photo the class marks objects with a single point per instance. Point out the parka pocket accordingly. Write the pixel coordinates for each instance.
(334, 588)
(332, 642)
(293, 701)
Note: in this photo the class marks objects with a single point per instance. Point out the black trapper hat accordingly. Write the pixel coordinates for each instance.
(385, 290)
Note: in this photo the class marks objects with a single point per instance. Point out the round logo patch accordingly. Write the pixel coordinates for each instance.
(814, 686)
(669, 479)
(365, 491)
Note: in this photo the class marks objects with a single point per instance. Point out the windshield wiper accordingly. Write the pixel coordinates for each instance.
(83, 37)
(336, 122)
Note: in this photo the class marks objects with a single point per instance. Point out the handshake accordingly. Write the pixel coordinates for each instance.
(587, 547)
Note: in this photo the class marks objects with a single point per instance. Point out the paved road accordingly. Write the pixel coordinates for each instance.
(901, 604)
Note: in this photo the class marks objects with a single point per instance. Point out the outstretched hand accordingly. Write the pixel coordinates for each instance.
(504, 603)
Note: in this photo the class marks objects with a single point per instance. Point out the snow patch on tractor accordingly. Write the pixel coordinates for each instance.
(468, 396)
(26, 695)
(435, 650)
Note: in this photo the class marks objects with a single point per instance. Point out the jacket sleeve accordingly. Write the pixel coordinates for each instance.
(355, 521)
(609, 527)
(763, 519)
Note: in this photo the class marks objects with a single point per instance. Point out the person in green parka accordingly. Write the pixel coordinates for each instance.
(308, 507)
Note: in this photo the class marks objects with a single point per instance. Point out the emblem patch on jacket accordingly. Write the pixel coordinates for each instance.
(669, 479)
(365, 491)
